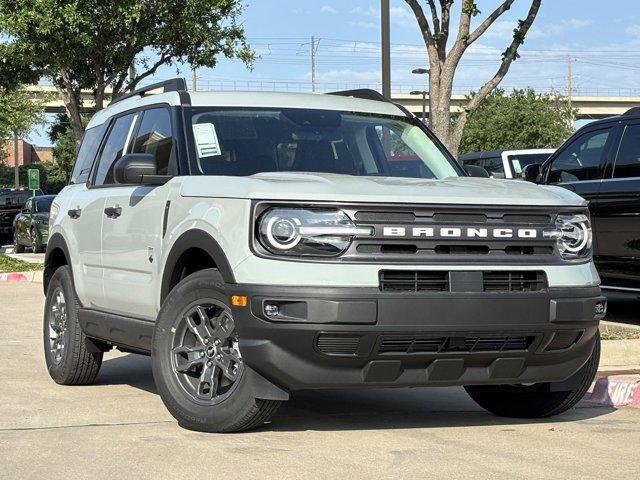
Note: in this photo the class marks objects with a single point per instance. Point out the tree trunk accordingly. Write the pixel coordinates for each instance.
(71, 99)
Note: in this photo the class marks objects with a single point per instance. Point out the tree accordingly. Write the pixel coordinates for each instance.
(97, 44)
(444, 59)
(65, 146)
(523, 119)
(20, 111)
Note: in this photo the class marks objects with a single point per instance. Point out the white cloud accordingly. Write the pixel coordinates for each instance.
(402, 16)
(633, 30)
(328, 9)
(363, 24)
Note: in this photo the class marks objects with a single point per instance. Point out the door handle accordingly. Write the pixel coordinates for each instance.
(75, 213)
(113, 212)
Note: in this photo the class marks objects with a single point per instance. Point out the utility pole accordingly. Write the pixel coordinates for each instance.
(313, 63)
(570, 85)
(16, 170)
(386, 47)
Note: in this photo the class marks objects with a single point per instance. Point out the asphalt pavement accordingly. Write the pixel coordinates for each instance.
(118, 428)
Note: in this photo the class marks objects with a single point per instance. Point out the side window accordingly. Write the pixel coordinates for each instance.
(581, 159)
(87, 154)
(494, 166)
(113, 150)
(155, 137)
(628, 161)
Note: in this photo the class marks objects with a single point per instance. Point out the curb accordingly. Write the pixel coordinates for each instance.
(617, 391)
(34, 276)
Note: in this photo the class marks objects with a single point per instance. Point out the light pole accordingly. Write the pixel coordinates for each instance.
(385, 30)
(424, 94)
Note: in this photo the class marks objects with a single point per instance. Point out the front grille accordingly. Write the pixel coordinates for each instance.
(338, 344)
(419, 344)
(507, 281)
(459, 281)
(414, 281)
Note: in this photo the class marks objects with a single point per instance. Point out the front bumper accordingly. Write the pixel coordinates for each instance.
(342, 337)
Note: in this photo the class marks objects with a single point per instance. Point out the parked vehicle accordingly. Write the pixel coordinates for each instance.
(506, 163)
(31, 225)
(11, 202)
(256, 244)
(601, 163)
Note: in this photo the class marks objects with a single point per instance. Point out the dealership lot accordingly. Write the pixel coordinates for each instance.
(120, 425)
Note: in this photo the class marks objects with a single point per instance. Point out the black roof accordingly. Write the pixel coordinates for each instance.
(480, 155)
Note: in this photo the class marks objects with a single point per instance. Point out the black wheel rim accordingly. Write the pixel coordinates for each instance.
(205, 358)
(57, 319)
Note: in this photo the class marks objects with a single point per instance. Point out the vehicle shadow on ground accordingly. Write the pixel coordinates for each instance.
(362, 409)
(623, 309)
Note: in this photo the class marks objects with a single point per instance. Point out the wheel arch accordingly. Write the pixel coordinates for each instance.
(57, 255)
(187, 256)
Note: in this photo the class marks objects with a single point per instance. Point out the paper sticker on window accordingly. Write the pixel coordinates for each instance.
(516, 165)
(206, 140)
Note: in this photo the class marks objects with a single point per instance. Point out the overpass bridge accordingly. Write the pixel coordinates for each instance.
(589, 107)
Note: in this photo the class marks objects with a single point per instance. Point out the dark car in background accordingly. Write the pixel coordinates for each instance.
(11, 203)
(505, 163)
(601, 162)
(31, 225)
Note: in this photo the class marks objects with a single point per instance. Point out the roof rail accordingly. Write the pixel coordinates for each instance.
(172, 85)
(364, 93)
(632, 111)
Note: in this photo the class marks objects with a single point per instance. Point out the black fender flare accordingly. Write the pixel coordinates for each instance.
(195, 239)
(55, 242)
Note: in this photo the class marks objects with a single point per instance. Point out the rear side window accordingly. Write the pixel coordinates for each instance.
(87, 154)
(581, 160)
(493, 166)
(155, 137)
(628, 161)
(113, 149)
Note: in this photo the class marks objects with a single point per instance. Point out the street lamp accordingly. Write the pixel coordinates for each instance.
(422, 71)
(424, 94)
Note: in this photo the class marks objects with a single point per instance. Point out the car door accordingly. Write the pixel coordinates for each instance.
(20, 223)
(618, 212)
(86, 208)
(132, 236)
(579, 165)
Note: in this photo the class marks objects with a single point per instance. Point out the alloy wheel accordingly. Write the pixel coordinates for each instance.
(57, 325)
(205, 357)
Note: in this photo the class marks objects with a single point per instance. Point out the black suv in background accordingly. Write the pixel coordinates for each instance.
(11, 203)
(601, 162)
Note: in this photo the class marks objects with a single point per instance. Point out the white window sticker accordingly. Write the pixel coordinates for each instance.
(206, 140)
(516, 165)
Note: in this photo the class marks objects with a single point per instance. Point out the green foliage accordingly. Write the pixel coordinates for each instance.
(470, 8)
(20, 111)
(8, 265)
(52, 177)
(523, 119)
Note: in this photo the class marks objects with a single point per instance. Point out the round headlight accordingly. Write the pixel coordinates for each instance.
(575, 237)
(307, 232)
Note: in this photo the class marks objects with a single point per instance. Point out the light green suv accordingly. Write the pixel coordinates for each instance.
(256, 244)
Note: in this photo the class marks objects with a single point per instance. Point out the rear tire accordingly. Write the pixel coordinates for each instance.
(196, 361)
(17, 248)
(65, 345)
(537, 400)
(37, 242)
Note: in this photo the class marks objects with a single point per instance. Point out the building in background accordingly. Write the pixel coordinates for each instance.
(27, 154)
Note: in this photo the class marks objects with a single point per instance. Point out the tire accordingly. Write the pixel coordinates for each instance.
(37, 243)
(537, 400)
(72, 364)
(17, 248)
(204, 393)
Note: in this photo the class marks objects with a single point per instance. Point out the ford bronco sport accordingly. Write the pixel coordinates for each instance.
(255, 244)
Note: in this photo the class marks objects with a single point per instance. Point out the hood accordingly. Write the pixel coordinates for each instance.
(348, 188)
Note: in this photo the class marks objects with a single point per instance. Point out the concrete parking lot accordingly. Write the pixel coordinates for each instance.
(119, 428)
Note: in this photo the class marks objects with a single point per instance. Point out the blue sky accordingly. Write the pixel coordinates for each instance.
(602, 39)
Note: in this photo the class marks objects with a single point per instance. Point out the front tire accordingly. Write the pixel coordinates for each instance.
(37, 242)
(65, 345)
(537, 400)
(197, 365)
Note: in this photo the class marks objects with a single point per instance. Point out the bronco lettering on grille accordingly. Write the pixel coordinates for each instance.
(456, 232)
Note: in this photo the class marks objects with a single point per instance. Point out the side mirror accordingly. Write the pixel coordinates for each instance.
(531, 172)
(476, 171)
(138, 169)
(25, 210)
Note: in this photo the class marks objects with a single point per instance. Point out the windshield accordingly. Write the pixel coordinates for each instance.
(43, 205)
(518, 162)
(242, 141)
